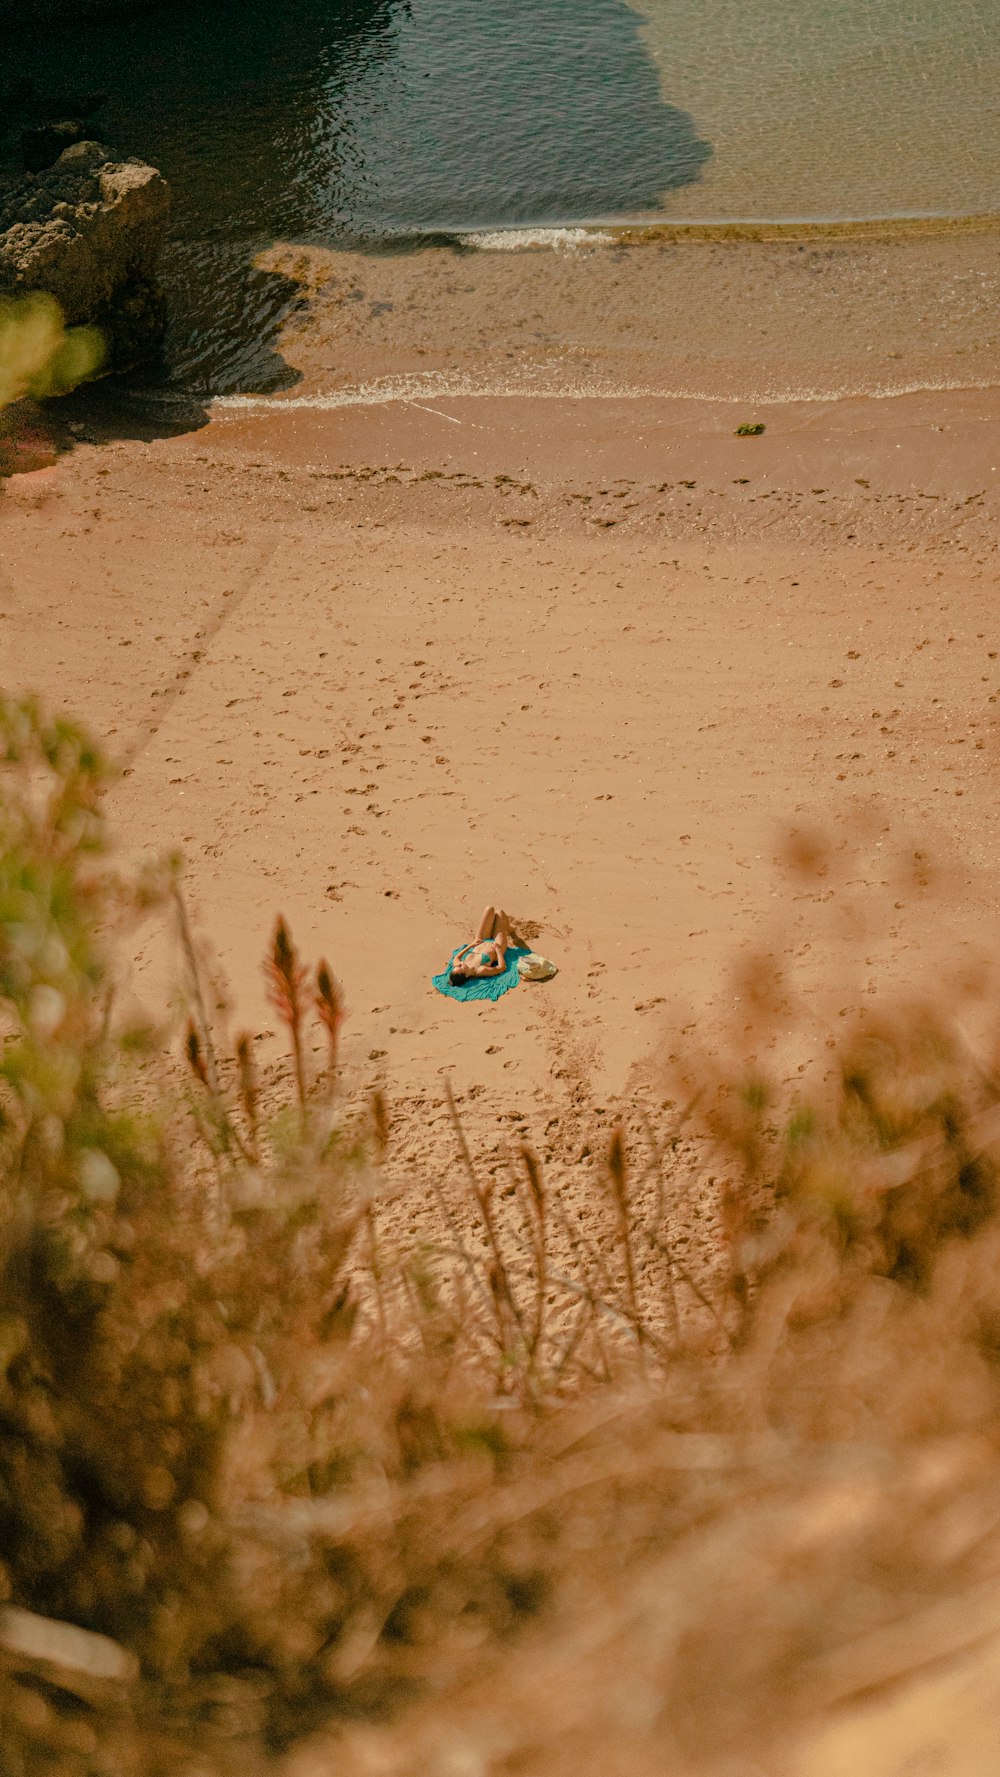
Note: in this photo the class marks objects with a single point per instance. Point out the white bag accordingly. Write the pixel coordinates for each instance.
(535, 968)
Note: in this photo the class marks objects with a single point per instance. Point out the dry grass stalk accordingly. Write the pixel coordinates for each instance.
(286, 979)
(618, 1174)
(249, 1091)
(330, 1008)
(203, 1027)
(380, 1123)
(194, 1056)
(538, 1225)
(506, 1308)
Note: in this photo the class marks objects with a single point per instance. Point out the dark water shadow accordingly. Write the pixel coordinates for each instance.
(222, 99)
(227, 99)
(368, 124)
(518, 114)
(227, 345)
(124, 408)
(35, 435)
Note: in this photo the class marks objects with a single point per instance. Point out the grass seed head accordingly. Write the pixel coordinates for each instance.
(193, 1053)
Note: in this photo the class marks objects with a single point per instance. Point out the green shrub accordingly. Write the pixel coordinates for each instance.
(39, 354)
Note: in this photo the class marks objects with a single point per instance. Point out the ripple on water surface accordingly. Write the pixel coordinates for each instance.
(835, 109)
(354, 121)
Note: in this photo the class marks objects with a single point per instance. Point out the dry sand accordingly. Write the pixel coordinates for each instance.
(372, 665)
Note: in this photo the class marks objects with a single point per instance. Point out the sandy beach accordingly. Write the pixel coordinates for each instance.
(544, 459)
(372, 655)
(488, 600)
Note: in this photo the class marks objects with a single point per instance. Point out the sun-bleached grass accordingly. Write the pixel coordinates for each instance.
(521, 1497)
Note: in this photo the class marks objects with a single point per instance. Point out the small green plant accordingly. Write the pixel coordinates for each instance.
(39, 355)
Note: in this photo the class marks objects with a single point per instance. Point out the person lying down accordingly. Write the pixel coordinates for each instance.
(489, 966)
(487, 954)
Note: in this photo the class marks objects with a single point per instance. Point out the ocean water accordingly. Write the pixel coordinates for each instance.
(382, 121)
(835, 109)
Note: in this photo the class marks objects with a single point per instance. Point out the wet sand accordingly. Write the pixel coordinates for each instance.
(726, 314)
(591, 657)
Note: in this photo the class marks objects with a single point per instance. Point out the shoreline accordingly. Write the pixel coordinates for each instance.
(652, 229)
(403, 392)
(756, 312)
(655, 229)
(801, 317)
(847, 228)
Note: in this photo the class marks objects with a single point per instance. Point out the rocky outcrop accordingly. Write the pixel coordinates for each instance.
(48, 122)
(89, 231)
(42, 146)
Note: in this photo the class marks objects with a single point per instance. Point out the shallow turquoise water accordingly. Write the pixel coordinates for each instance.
(835, 109)
(375, 120)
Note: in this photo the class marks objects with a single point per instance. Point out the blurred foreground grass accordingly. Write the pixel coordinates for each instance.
(278, 1493)
(39, 355)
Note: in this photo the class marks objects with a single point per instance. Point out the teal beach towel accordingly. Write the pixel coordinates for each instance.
(486, 987)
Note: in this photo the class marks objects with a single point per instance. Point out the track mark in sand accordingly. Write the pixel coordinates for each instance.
(173, 693)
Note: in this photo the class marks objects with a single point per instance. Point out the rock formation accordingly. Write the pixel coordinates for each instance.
(89, 231)
(42, 146)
